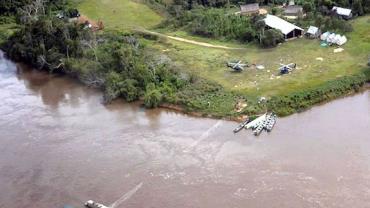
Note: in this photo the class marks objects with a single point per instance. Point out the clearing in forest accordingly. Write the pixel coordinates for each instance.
(121, 15)
(315, 64)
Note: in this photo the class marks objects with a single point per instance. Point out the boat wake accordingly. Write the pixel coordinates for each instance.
(126, 196)
(204, 136)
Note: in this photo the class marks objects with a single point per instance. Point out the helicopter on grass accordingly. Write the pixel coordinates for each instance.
(237, 66)
(287, 68)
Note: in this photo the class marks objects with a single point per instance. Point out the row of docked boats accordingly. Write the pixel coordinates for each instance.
(265, 122)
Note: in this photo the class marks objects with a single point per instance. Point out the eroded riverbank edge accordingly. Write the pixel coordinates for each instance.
(358, 83)
(241, 118)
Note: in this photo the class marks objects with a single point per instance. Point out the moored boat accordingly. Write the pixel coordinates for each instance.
(271, 122)
(92, 204)
(241, 126)
(258, 130)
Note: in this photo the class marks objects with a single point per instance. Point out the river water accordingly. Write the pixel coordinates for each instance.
(60, 146)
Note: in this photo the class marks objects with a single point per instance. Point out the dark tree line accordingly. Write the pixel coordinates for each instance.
(11, 7)
(115, 62)
(359, 7)
(210, 18)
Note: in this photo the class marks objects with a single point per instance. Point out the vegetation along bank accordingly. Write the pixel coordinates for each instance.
(105, 52)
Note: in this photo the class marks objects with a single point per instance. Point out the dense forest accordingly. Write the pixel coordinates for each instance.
(117, 63)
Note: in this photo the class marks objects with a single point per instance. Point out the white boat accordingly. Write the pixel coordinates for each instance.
(271, 122)
(241, 126)
(256, 122)
(92, 204)
(258, 130)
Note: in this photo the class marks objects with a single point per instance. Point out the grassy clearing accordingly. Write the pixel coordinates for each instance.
(314, 80)
(210, 63)
(121, 15)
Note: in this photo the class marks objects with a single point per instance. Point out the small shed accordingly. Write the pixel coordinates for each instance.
(313, 32)
(343, 12)
(288, 29)
(248, 9)
(293, 11)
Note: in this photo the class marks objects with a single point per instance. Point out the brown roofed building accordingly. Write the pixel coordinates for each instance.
(294, 11)
(248, 9)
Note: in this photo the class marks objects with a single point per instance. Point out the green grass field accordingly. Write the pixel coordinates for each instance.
(120, 15)
(210, 63)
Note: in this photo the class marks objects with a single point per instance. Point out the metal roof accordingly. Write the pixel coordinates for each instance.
(342, 11)
(280, 24)
(312, 30)
(249, 7)
(293, 9)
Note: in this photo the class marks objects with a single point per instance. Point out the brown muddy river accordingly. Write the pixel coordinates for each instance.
(60, 146)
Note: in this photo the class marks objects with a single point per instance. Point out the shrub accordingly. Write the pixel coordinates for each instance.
(274, 11)
(295, 102)
(308, 6)
(152, 96)
(271, 38)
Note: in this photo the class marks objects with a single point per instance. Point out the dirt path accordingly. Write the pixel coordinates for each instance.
(189, 41)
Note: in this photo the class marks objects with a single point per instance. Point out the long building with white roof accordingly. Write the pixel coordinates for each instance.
(288, 29)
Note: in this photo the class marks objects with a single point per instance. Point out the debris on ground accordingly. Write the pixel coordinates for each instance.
(262, 100)
(320, 59)
(240, 105)
(260, 66)
(338, 50)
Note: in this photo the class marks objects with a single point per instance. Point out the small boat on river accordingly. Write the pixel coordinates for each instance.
(271, 122)
(241, 126)
(256, 122)
(258, 130)
(92, 204)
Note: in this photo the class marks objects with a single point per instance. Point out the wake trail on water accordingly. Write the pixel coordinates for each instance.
(204, 136)
(126, 196)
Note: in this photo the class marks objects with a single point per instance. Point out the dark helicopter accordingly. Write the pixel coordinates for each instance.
(287, 68)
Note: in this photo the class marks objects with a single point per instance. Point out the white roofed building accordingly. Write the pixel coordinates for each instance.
(343, 12)
(313, 32)
(288, 29)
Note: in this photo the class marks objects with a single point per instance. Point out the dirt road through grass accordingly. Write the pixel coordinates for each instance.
(187, 40)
